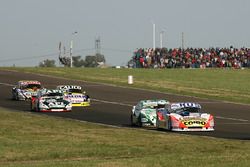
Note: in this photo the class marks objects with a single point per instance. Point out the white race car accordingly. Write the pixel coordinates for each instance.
(25, 89)
(50, 100)
(184, 117)
(144, 113)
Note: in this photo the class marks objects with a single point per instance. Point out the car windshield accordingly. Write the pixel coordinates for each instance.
(54, 94)
(53, 99)
(75, 91)
(161, 106)
(187, 109)
(154, 106)
(31, 86)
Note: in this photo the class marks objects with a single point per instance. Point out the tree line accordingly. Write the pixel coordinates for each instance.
(77, 61)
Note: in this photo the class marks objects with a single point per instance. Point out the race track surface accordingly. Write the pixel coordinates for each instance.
(112, 105)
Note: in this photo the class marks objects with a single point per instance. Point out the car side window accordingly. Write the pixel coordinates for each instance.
(137, 107)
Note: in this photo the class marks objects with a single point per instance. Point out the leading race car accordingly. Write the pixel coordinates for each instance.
(75, 94)
(144, 113)
(184, 117)
(25, 89)
(50, 100)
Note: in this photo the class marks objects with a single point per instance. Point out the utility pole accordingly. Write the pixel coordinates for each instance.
(182, 40)
(153, 36)
(70, 52)
(161, 38)
(71, 49)
(98, 45)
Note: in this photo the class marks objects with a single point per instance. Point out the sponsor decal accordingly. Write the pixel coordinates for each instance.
(192, 122)
(185, 105)
(29, 82)
(65, 87)
(75, 96)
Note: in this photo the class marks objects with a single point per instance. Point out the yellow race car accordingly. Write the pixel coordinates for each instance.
(75, 95)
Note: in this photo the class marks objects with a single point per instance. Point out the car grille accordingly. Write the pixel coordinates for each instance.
(195, 127)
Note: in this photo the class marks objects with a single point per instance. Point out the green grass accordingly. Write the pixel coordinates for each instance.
(222, 84)
(28, 139)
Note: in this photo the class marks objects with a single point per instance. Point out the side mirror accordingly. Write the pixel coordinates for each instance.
(133, 109)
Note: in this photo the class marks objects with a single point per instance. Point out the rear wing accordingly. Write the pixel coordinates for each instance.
(66, 87)
(175, 106)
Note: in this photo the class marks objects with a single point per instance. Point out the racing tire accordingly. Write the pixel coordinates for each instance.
(31, 109)
(139, 121)
(131, 120)
(16, 97)
(13, 96)
(36, 108)
(157, 123)
(170, 124)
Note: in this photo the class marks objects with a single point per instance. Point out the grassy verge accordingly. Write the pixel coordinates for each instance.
(222, 84)
(28, 139)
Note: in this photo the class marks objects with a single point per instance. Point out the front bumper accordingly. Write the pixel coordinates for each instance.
(192, 129)
(54, 110)
(82, 104)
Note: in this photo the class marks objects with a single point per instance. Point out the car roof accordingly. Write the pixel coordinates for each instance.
(50, 91)
(153, 102)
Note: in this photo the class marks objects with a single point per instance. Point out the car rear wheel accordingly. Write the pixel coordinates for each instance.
(139, 121)
(157, 123)
(169, 124)
(131, 120)
(31, 107)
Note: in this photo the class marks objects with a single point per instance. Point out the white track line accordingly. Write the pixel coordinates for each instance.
(122, 104)
(232, 119)
(6, 84)
(238, 123)
(112, 102)
(129, 105)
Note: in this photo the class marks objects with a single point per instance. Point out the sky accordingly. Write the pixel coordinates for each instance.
(30, 30)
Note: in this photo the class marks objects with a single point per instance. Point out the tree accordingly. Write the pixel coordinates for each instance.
(47, 63)
(100, 58)
(65, 61)
(90, 61)
(94, 60)
(77, 61)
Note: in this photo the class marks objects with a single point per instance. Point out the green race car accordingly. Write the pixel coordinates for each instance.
(144, 113)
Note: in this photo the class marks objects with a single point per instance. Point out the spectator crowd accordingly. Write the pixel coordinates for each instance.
(191, 58)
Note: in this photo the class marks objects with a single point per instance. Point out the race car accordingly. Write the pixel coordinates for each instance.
(75, 94)
(144, 113)
(50, 100)
(184, 116)
(25, 89)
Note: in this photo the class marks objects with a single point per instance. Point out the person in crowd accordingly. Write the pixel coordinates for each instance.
(191, 58)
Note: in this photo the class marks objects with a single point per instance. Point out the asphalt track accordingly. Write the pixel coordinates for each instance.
(112, 105)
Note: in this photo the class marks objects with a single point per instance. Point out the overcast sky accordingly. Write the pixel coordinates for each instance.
(32, 29)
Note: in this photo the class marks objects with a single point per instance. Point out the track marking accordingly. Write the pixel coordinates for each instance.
(129, 105)
(232, 119)
(239, 123)
(112, 102)
(106, 84)
(6, 84)
(123, 104)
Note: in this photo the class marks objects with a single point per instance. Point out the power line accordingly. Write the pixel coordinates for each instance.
(29, 57)
(117, 50)
(57, 53)
(41, 56)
